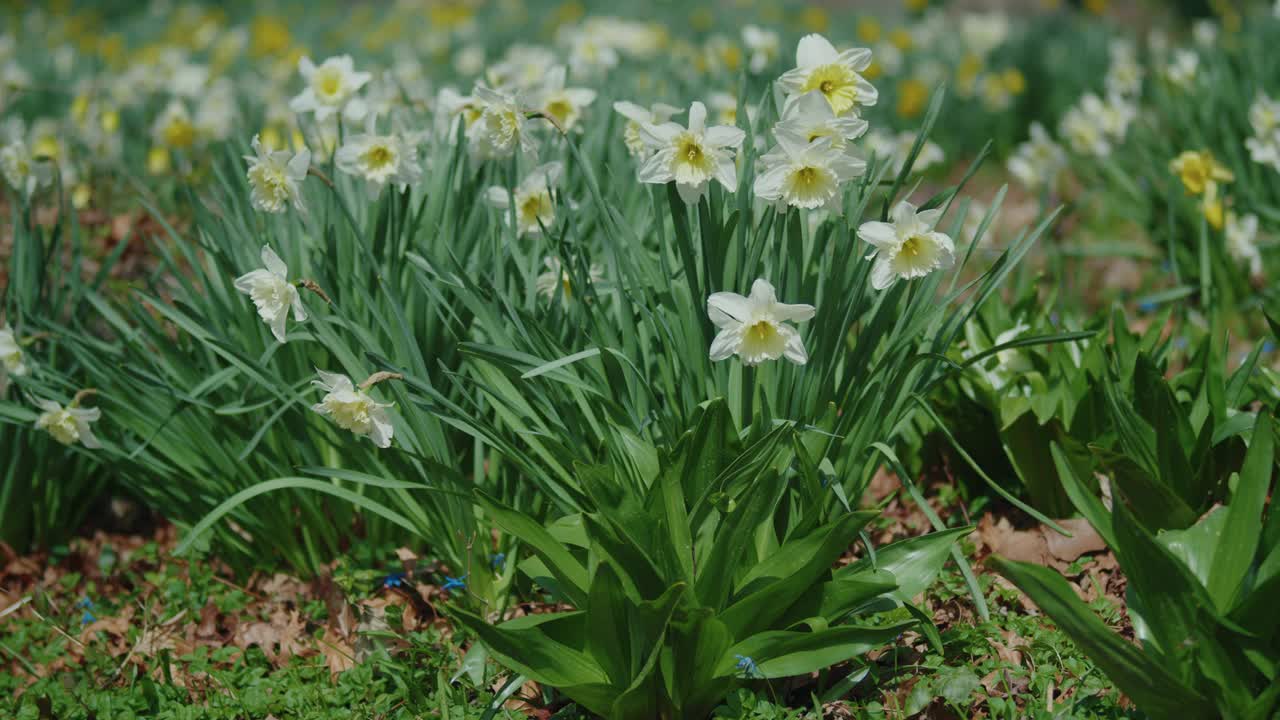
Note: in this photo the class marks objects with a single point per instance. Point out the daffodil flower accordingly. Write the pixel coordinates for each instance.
(275, 177)
(837, 75)
(693, 156)
(637, 116)
(805, 174)
(351, 408)
(68, 425)
(22, 171)
(755, 327)
(1037, 162)
(379, 159)
(907, 247)
(811, 117)
(557, 279)
(331, 88)
(12, 359)
(1242, 237)
(533, 204)
(272, 293)
(500, 129)
(563, 104)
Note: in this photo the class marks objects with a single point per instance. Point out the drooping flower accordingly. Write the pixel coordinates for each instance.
(68, 425)
(1037, 162)
(272, 293)
(1265, 150)
(534, 207)
(806, 174)
(500, 128)
(907, 247)
(351, 408)
(837, 75)
(12, 359)
(1264, 115)
(636, 116)
(755, 327)
(811, 117)
(276, 177)
(22, 171)
(379, 159)
(331, 88)
(563, 104)
(691, 156)
(1083, 133)
(556, 279)
(1242, 237)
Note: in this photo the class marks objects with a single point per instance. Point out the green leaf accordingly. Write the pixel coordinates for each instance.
(1154, 690)
(1235, 553)
(784, 653)
(562, 564)
(914, 562)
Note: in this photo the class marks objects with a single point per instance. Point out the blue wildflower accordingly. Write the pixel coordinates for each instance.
(747, 666)
(498, 560)
(85, 603)
(1268, 346)
(454, 583)
(1147, 307)
(87, 618)
(393, 580)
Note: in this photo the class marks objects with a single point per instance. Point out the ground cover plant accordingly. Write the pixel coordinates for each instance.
(740, 360)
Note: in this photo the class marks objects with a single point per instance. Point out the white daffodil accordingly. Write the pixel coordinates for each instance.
(898, 148)
(12, 359)
(1242, 238)
(534, 208)
(23, 172)
(636, 116)
(983, 32)
(500, 128)
(68, 425)
(1037, 162)
(1124, 76)
(1182, 71)
(805, 174)
(272, 293)
(1083, 133)
(522, 67)
(218, 111)
(1265, 150)
(351, 408)
(1264, 115)
(837, 75)
(907, 247)
(276, 177)
(811, 117)
(331, 88)
(174, 129)
(1112, 115)
(691, 156)
(589, 55)
(763, 46)
(564, 105)
(379, 159)
(755, 327)
(556, 279)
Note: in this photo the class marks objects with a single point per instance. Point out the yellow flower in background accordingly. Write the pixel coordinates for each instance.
(868, 30)
(901, 39)
(158, 161)
(268, 35)
(81, 194)
(912, 96)
(1213, 209)
(1014, 81)
(967, 73)
(915, 5)
(1199, 171)
(814, 19)
(837, 75)
(701, 19)
(1097, 7)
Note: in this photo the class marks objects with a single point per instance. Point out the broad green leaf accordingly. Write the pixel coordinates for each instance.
(1152, 688)
(783, 653)
(1240, 537)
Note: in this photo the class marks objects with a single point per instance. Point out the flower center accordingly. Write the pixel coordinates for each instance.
(561, 110)
(692, 151)
(328, 82)
(807, 177)
(836, 83)
(179, 134)
(379, 157)
(761, 331)
(912, 247)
